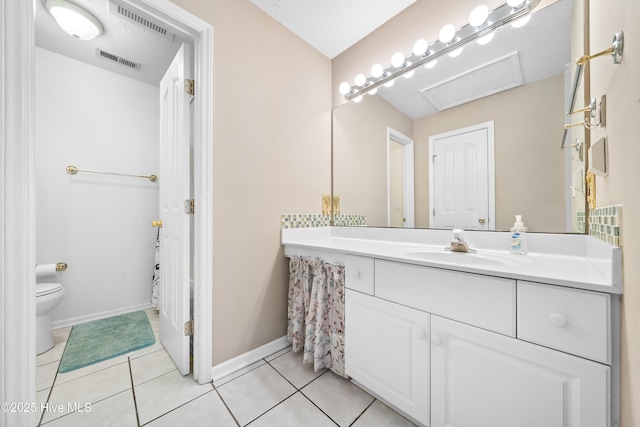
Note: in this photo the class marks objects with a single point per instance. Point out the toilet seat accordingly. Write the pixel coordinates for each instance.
(43, 289)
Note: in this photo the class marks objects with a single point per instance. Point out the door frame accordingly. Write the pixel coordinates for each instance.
(17, 215)
(491, 168)
(408, 179)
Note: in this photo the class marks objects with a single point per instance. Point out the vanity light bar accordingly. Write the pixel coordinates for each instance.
(498, 17)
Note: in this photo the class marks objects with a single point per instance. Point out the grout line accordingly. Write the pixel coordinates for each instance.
(241, 375)
(362, 413)
(225, 405)
(319, 408)
(133, 391)
(268, 410)
(178, 407)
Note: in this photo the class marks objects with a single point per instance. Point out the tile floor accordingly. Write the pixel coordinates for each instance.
(144, 388)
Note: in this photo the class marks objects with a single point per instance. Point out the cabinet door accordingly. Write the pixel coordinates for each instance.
(387, 351)
(483, 379)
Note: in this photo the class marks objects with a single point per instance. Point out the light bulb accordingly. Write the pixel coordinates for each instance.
(431, 64)
(360, 80)
(486, 39)
(478, 16)
(397, 60)
(344, 88)
(447, 33)
(377, 71)
(515, 3)
(521, 22)
(420, 47)
(373, 91)
(455, 53)
(409, 74)
(357, 98)
(389, 83)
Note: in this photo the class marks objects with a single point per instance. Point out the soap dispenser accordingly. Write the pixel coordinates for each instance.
(518, 237)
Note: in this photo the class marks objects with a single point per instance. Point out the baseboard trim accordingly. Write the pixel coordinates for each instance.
(102, 315)
(225, 368)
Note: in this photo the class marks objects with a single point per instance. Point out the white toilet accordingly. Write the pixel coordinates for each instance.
(48, 295)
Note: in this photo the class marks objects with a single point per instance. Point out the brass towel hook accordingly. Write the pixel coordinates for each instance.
(615, 51)
(591, 108)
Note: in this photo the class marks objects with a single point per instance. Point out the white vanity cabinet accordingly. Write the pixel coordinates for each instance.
(453, 349)
(387, 351)
(484, 379)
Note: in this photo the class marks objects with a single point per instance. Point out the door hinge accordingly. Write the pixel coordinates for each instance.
(434, 211)
(190, 87)
(190, 207)
(433, 158)
(188, 328)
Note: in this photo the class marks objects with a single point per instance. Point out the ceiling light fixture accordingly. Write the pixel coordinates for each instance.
(451, 41)
(74, 20)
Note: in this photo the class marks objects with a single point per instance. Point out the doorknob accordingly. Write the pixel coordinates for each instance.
(481, 220)
(157, 223)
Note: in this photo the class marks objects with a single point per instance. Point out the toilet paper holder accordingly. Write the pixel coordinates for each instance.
(61, 266)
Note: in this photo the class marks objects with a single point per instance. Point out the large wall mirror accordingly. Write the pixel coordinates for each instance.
(474, 140)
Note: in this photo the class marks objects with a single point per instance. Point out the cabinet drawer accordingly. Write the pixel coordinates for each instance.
(358, 272)
(483, 301)
(570, 320)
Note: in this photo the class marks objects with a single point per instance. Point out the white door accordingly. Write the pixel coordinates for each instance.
(400, 180)
(461, 178)
(174, 190)
(387, 350)
(484, 379)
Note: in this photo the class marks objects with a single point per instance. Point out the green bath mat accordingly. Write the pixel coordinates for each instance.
(104, 339)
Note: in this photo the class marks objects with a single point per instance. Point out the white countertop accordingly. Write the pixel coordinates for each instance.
(576, 261)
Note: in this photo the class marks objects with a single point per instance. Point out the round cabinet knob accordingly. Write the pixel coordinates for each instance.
(436, 340)
(481, 221)
(558, 320)
(420, 333)
(356, 273)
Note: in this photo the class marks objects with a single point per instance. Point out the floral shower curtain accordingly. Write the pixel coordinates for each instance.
(316, 312)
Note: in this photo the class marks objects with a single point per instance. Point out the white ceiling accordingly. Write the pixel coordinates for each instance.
(332, 26)
(122, 37)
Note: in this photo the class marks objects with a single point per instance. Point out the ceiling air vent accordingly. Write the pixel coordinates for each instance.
(115, 58)
(132, 16)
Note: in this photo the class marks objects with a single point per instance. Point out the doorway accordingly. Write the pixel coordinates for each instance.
(17, 146)
(462, 178)
(400, 180)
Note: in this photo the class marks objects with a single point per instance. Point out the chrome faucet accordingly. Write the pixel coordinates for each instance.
(458, 244)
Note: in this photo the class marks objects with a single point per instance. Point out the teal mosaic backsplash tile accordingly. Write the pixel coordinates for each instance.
(350, 220)
(318, 220)
(605, 222)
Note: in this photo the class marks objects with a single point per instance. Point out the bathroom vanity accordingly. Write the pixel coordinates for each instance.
(484, 339)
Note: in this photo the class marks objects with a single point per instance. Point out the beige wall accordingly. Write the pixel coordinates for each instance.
(271, 148)
(621, 84)
(360, 155)
(529, 164)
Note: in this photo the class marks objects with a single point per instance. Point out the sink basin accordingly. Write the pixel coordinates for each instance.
(459, 258)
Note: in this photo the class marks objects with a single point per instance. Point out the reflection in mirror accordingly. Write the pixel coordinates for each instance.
(400, 180)
(518, 83)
